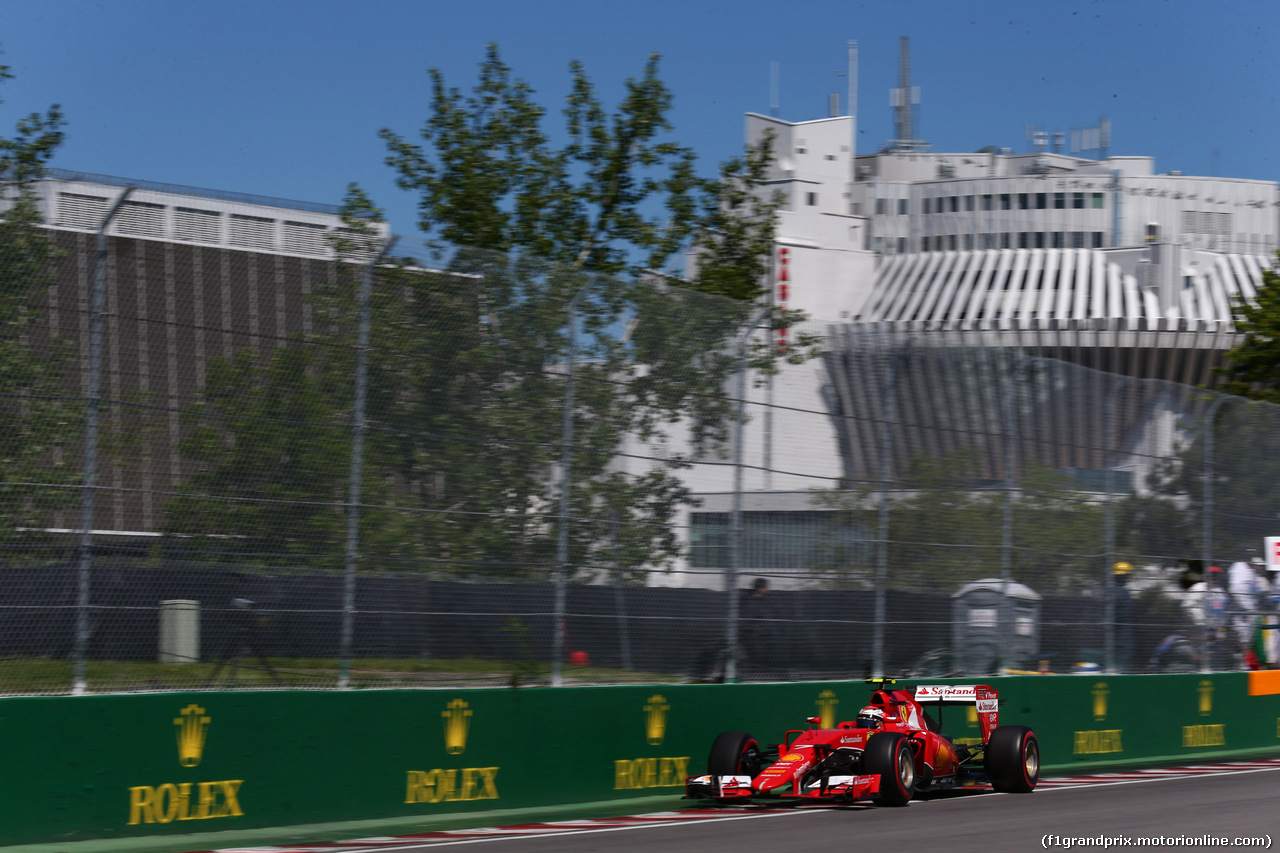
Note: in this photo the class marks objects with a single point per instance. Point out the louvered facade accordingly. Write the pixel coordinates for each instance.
(193, 277)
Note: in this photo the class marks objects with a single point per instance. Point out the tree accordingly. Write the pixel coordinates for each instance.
(466, 382)
(1253, 367)
(36, 423)
(488, 178)
(619, 200)
(1244, 470)
(945, 531)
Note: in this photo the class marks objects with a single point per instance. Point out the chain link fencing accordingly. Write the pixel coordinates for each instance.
(405, 465)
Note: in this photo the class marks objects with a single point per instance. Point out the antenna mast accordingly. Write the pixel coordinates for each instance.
(852, 102)
(903, 99)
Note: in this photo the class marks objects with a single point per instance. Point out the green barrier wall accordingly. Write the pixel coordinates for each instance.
(104, 766)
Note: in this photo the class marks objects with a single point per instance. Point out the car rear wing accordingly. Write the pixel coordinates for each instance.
(984, 697)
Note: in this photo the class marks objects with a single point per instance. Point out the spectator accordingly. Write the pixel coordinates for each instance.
(1124, 615)
(1243, 585)
(756, 627)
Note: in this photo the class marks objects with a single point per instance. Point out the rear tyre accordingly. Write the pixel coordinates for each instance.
(888, 755)
(1013, 759)
(734, 754)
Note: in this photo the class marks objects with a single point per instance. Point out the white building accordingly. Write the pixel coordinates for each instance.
(1102, 263)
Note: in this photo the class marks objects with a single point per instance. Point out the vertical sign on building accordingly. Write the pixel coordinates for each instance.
(1273, 553)
(784, 287)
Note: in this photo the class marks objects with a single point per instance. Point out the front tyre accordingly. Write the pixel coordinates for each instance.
(1013, 759)
(734, 754)
(888, 755)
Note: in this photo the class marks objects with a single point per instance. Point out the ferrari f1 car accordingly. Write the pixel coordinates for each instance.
(893, 749)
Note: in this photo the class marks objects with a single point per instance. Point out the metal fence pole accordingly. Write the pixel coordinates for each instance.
(79, 682)
(619, 598)
(357, 469)
(1010, 485)
(1206, 545)
(566, 482)
(1109, 526)
(889, 406)
(735, 530)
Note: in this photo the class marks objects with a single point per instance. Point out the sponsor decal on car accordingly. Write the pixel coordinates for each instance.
(962, 692)
(793, 756)
(987, 706)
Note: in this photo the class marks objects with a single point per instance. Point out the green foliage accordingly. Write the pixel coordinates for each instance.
(489, 179)
(1253, 367)
(37, 425)
(1245, 468)
(944, 531)
(466, 382)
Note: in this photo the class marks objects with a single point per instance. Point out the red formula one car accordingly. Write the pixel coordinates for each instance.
(893, 749)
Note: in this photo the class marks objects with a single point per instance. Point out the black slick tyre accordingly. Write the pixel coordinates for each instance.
(1013, 759)
(734, 754)
(888, 755)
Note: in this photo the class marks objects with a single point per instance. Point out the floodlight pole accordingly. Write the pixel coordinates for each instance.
(566, 479)
(1108, 577)
(358, 427)
(890, 410)
(1206, 545)
(97, 317)
(735, 532)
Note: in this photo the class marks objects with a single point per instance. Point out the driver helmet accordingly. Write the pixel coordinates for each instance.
(870, 717)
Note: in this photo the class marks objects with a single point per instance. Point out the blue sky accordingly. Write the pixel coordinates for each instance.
(285, 97)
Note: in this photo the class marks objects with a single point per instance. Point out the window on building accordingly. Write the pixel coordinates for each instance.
(811, 199)
(968, 241)
(1024, 201)
(855, 208)
(986, 202)
(880, 206)
(1006, 201)
(1039, 239)
(1077, 201)
(902, 245)
(968, 202)
(1024, 239)
(1097, 201)
(1097, 239)
(924, 243)
(1077, 239)
(903, 206)
(1059, 201)
(924, 204)
(951, 242)
(1042, 201)
(1059, 240)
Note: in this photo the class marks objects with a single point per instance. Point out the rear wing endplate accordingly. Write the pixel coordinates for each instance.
(984, 697)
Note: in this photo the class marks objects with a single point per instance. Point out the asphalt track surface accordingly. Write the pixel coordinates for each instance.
(1237, 802)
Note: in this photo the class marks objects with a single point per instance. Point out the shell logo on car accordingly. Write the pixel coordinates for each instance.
(793, 756)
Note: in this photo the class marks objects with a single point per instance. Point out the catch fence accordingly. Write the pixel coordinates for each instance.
(405, 465)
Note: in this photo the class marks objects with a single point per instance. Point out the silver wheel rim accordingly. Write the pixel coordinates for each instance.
(906, 769)
(1031, 761)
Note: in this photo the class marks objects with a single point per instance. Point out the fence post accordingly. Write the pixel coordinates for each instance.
(1016, 375)
(735, 531)
(889, 406)
(1109, 527)
(1206, 545)
(566, 479)
(79, 682)
(357, 468)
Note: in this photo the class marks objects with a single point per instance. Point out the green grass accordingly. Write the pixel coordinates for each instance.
(19, 676)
